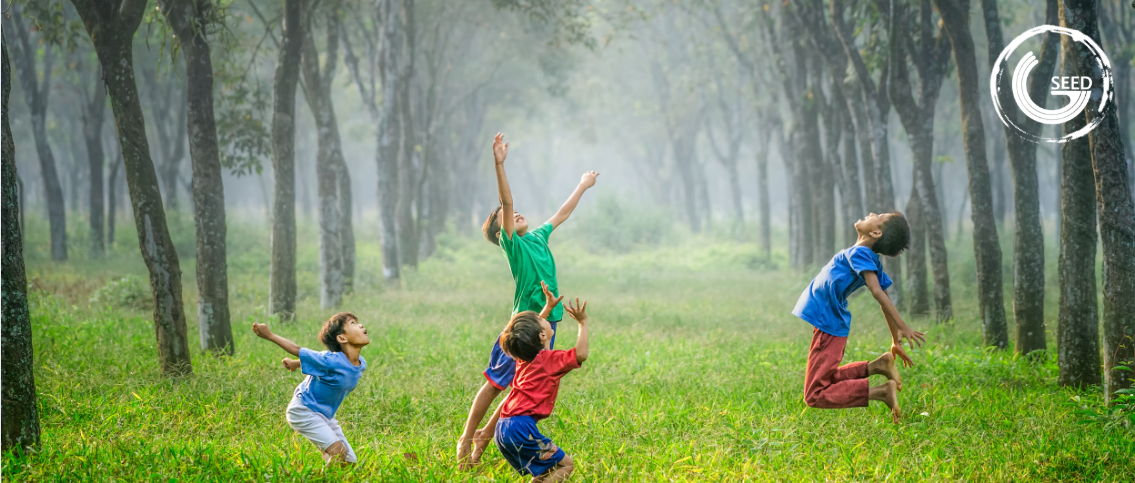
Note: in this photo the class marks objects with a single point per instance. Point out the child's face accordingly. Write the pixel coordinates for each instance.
(546, 334)
(872, 225)
(520, 223)
(354, 333)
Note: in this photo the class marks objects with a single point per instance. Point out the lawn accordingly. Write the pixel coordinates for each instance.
(696, 374)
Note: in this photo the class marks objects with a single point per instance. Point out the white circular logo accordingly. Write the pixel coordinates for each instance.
(1078, 89)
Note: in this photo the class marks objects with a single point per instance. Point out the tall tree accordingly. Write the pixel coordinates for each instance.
(169, 117)
(36, 94)
(93, 112)
(987, 250)
(329, 161)
(930, 55)
(394, 71)
(20, 425)
(1077, 330)
(111, 25)
(1113, 204)
(191, 20)
(282, 291)
(1028, 236)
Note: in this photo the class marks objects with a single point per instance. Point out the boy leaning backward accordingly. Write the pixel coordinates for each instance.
(331, 375)
(531, 263)
(824, 305)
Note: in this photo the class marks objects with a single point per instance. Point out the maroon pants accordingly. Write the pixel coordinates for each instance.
(829, 385)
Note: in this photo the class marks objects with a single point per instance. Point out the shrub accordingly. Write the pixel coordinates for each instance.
(613, 225)
(129, 292)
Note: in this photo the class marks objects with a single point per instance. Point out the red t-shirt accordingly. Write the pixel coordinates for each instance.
(536, 384)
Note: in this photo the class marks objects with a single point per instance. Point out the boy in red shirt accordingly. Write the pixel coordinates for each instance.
(538, 371)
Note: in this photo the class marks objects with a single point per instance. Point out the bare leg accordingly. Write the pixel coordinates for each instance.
(558, 473)
(482, 437)
(477, 412)
(888, 393)
(885, 365)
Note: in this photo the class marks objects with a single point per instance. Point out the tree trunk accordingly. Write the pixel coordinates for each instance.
(214, 326)
(112, 199)
(346, 227)
(36, 93)
(282, 292)
(317, 90)
(987, 250)
(802, 194)
(735, 195)
(1114, 205)
(409, 159)
(21, 417)
(1077, 332)
(763, 196)
(94, 109)
(112, 32)
(916, 256)
(852, 197)
(389, 137)
(1028, 235)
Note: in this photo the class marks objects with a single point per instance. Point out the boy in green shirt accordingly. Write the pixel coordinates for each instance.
(531, 264)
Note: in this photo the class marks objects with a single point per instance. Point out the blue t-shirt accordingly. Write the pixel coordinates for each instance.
(330, 377)
(824, 303)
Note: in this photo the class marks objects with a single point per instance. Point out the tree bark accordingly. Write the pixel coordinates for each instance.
(94, 109)
(346, 226)
(987, 250)
(763, 196)
(21, 417)
(1114, 205)
(36, 94)
(282, 292)
(1077, 332)
(1028, 235)
(189, 18)
(389, 137)
(317, 90)
(916, 287)
(112, 31)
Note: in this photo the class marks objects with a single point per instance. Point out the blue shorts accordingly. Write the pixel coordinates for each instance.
(502, 368)
(528, 451)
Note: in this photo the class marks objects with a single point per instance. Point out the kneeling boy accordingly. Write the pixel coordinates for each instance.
(538, 371)
(331, 375)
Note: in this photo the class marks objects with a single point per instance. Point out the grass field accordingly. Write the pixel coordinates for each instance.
(696, 374)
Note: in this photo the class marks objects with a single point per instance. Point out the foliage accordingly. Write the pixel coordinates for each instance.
(127, 293)
(614, 225)
(1120, 414)
(56, 23)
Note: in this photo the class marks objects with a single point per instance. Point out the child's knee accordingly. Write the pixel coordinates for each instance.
(567, 465)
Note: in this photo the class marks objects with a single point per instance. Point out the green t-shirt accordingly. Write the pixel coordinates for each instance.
(531, 262)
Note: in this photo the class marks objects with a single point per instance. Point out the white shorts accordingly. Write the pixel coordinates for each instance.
(319, 429)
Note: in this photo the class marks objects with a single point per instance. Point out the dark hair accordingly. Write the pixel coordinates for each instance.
(896, 236)
(492, 226)
(521, 339)
(332, 328)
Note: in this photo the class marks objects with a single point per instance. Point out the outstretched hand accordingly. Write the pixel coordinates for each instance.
(588, 179)
(910, 337)
(291, 364)
(577, 311)
(550, 299)
(500, 148)
(262, 330)
(896, 349)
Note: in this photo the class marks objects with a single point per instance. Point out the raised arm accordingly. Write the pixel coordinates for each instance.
(587, 181)
(551, 301)
(500, 151)
(264, 332)
(899, 330)
(579, 313)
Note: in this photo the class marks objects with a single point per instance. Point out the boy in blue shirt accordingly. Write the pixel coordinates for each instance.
(531, 263)
(331, 375)
(824, 305)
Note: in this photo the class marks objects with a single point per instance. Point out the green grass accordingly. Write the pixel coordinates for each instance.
(696, 374)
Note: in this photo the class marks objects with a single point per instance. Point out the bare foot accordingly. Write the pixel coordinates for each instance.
(885, 366)
(463, 450)
(891, 399)
(480, 444)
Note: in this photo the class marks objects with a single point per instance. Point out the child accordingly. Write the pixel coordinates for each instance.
(331, 375)
(531, 262)
(824, 305)
(528, 338)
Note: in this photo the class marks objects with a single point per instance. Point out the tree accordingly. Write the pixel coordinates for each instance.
(190, 20)
(1028, 236)
(21, 417)
(987, 251)
(930, 56)
(1113, 204)
(111, 25)
(282, 292)
(733, 123)
(36, 94)
(93, 112)
(329, 163)
(169, 115)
